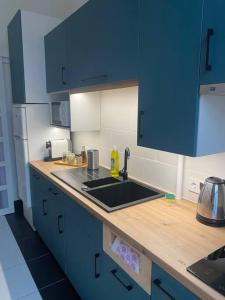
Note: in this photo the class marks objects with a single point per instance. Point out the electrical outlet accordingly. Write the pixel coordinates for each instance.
(195, 185)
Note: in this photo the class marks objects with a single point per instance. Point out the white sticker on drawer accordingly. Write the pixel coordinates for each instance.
(126, 254)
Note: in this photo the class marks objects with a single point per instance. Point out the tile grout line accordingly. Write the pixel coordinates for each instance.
(28, 261)
(51, 284)
(24, 296)
(38, 257)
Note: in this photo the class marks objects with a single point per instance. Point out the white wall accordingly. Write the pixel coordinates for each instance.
(119, 127)
(55, 8)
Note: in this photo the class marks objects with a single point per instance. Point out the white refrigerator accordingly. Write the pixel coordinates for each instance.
(31, 130)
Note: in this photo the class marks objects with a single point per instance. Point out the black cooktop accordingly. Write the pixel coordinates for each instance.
(211, 270)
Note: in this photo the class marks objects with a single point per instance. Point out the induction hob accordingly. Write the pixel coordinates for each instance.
(211, 270)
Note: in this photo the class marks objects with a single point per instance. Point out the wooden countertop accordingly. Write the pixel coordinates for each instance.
(167, 233)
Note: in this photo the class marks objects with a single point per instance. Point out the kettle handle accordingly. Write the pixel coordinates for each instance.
(201, 185)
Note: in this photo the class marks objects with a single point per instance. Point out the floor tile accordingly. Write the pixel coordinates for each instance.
(59, 291)
(45, 271)
(3, 222)
(32, 248)
(10, 254)
(33, 296)
(20, 227)
(16, 282)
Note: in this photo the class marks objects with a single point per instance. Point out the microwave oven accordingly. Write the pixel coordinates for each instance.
(60, 113)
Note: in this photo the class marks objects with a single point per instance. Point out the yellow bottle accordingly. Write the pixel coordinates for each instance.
(114, 163)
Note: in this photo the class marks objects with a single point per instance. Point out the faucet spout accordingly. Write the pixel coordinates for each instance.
(124, 172)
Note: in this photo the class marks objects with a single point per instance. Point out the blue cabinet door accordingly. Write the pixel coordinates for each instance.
(84, 251)
(56, 59)
(213, 43)
(39, 203)
(48, 215)
(165, 287)
(103, 42)
(170, 45)
(15, 41)
(55, 230)
(118, 284)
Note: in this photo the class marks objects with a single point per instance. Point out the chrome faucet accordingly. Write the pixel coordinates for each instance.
(123, 172)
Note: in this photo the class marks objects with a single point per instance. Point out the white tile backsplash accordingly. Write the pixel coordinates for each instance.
(119, 127)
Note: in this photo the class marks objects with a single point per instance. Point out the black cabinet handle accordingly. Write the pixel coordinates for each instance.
(141, 114)
(36, 176)
(44, 207)
(97, 274)
(60, 224)
(103, 76)
(53, 192)
(63, 69)
(127, 287)
(210, 33)
(158, 284)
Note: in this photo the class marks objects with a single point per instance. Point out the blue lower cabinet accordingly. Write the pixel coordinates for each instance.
(39, 203)
(84, 252)
(118, 284)
(56, 229)
(48, 215)
(165, 287)
(75, 237)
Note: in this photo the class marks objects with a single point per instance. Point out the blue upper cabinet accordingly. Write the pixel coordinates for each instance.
(213, 41)
(56, 59)
(169, 74)
(27, 56)
(178, 53)
(102, 44)
(16, 58)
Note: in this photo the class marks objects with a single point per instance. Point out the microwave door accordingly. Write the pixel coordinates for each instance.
(56, 115)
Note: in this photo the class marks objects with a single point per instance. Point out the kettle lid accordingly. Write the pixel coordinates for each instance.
(215, 180)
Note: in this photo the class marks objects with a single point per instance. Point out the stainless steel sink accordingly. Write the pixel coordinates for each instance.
(121, 195)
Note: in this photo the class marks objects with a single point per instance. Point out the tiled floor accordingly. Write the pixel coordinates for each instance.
(16, 281)
(48, 276)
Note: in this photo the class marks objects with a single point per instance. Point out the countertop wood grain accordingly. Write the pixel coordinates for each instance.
(167, 233)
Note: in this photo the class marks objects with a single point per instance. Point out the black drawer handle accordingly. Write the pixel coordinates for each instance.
(103, 76)
(97, 274)
(60, 224)
(158, 283)
(141, 114)
(63, 69)
(36, 176)
(53, 192)
(127, 287)
(210, 33)
(44, 207)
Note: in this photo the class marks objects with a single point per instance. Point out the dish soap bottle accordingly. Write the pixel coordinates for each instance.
(84, 155)
(114, 163)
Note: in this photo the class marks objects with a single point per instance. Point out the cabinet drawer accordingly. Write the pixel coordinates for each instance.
(143, 276)
(166, 287)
